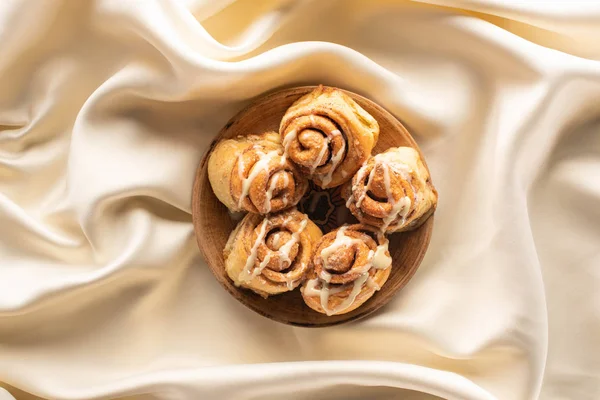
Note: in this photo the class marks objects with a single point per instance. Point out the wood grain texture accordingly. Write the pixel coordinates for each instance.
(212, 224)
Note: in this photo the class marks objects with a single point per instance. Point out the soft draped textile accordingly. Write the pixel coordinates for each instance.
(107, 106)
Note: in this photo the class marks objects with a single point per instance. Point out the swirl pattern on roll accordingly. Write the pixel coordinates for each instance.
(271, 254)
(350, 264)
(392, 191)
(252, 174)
(328, 135)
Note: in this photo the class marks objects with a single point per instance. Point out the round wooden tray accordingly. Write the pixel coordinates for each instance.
(213, 224)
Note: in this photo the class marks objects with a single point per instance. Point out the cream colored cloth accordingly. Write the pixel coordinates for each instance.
(107, 106)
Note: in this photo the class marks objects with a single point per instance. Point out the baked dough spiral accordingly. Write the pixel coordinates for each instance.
(392, 191)
(350, 264)
(271, 254)
(251, 174)
(328, 135)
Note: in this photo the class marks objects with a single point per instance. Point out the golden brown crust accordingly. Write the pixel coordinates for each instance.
(344, 267)
(271, 254)
(328, 135)
(251, 174)
(392, 191)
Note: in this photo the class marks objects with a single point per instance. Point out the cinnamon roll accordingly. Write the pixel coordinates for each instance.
(271, 254)
(349, 265)
(328, 135)
(250, 173)
(392, 191)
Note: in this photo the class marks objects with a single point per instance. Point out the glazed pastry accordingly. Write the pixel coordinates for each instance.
(350, 264)
(392, 191)
(251, 174)
(271, 254)
(328, 136)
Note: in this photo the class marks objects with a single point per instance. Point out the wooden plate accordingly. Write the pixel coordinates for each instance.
(213, 224)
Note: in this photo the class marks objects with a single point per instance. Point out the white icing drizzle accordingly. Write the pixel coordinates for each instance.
(390, 158)
(381, 258)
(269, 194)
(286, 182)
(262, 165)
(286, 221)
(288, 139)
(400, 207)
(363, 194)
(286, 248)
(335, 159)
(276, 239)
(317, 160)
(360, 176)
(290, 284)
(325, 276)
(356, 288)
(369, 262)
(273, 185)
(263, 264)
(245, 275)
(341, 240)
(378, 259)
(350, 200)
(371, 284)
(325, 292)
(284, 253)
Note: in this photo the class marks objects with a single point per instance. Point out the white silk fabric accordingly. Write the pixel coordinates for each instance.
(107, 106)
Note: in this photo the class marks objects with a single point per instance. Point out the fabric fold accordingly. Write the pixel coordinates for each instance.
(107, 107)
